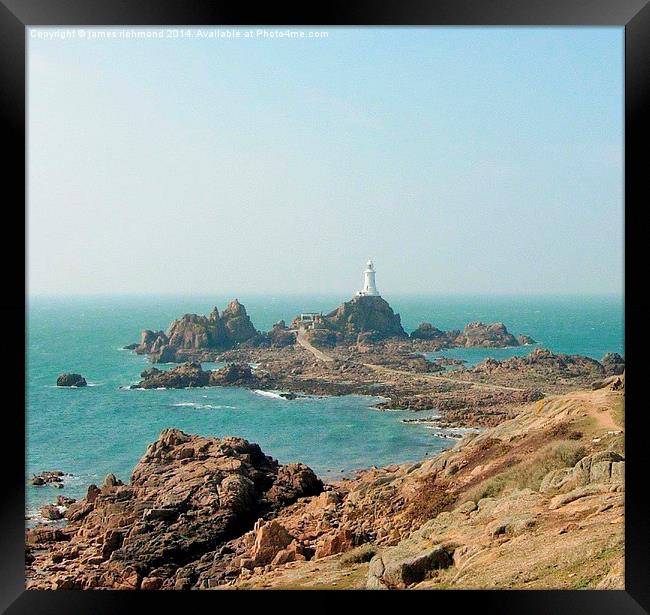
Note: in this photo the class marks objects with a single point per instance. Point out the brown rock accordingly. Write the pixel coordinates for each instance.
(270, 539)
(342, 540)
(188, 499)
(51, 512)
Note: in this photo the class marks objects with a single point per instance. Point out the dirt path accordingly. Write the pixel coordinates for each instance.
(478, 385)
(319, 354)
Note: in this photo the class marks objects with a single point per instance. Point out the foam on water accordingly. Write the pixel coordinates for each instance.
(271, 394)
(189, 404)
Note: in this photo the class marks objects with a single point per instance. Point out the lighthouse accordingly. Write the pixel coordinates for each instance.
(369, 289)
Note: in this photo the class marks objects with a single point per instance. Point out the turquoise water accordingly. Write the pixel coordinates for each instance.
(104, 428)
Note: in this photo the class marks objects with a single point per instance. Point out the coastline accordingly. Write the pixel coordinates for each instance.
(378, 520)
(392, 377)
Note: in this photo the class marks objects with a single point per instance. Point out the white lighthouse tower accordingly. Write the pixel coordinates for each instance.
(369, 288)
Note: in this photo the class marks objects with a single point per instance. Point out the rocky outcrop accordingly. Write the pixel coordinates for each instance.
(604, 467)
(613, 363)
(326, 338)
(189, 375)
(52, 512)
(279, 336)
(71, 380)
(493, 335)
(471, 516)
(365, 314)
(234, 374)
(525, 340)
(192, 334)
(426, 331)
(188, 497)
(184, 376)
(475, 334)
(54, 478)
(195, 332)
(238, 326)
(543, 364)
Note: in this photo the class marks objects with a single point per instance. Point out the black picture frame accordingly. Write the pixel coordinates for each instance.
(634, 15)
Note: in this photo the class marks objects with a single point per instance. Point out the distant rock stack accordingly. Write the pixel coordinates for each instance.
(193, 332)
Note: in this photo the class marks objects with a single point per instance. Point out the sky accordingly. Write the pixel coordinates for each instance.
(462, 160)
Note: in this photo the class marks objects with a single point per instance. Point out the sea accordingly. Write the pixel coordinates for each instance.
(106, 427)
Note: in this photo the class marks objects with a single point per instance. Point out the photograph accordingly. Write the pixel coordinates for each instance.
(325, 307)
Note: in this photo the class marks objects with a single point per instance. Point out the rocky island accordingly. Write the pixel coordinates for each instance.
(362, 321)
(71, 380)
(362, 348)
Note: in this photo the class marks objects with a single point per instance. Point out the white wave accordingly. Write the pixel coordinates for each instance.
(56, 386)
(273, 394)
(190, 404)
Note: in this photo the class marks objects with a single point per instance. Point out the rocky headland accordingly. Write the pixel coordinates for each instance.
(478, 396)
(535, 502)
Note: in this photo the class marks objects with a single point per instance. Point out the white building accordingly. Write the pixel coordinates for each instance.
(369, 288)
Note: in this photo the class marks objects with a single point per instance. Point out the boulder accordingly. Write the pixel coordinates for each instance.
(340, 541)
(52, 512)
(270, 539)
(41, 535)
(400, 572)
(294, 480)
(293, 553)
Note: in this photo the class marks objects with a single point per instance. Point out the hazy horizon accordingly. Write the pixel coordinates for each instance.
(464, 161)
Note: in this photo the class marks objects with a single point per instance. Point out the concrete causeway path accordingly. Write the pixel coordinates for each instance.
(304, 342)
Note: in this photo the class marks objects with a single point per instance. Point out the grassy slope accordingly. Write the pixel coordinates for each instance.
(573, 546)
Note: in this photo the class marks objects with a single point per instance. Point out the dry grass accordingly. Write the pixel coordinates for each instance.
(431, 500)
(359, 555)
(618, 413)
(529, 474)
